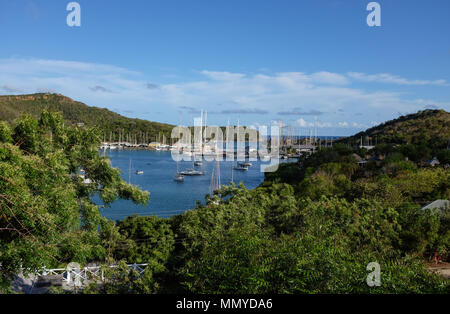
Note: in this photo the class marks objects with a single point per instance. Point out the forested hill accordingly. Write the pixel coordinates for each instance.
(13, 107)
(429, 126)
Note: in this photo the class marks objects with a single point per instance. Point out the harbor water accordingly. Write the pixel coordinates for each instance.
(167, 196)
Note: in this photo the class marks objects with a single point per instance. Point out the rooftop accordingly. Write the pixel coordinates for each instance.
(438, 204)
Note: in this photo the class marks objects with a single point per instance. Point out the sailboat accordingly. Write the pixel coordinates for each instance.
(129, 173)
(138, 172)
(240, 166)
(215, 182)
(191, 172)
(83, 177)
(178, 176)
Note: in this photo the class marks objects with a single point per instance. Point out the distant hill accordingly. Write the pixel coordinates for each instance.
(74, 112)
(428, 126)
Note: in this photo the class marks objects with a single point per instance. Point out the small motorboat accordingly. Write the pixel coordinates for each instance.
(240, 168)
(139, 172)
(198, 163)
(191, 172)
(245, 164)
(179, 177)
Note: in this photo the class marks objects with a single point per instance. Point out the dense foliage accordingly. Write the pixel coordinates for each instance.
(47, 217)
(311, 227)
(427, 129)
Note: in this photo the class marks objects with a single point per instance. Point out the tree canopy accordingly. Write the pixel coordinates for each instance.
(47, 216)
(311, 227)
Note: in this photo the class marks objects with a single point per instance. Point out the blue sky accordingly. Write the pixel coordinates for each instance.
(258, 61)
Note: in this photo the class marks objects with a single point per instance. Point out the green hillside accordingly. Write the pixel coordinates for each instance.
(428, 126)
(111, 123)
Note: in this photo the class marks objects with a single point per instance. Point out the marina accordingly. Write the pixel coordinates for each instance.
(174, 187)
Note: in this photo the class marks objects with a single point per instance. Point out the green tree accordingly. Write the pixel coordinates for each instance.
(47, 217)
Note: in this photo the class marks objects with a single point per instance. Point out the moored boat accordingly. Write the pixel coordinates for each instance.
(179, 177)
(191, 172)
(240, 168)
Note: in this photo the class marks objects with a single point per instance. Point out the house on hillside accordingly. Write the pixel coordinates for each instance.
(360, 161)
(308, 148)
(368, 146)
(357, 157)
(433, 162)
(154, 145)
(438, 204)
(376, 159)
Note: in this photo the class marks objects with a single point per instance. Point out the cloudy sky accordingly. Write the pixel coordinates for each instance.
(253, 61)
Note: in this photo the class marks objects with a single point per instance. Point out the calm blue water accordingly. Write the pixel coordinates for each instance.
(168, 197)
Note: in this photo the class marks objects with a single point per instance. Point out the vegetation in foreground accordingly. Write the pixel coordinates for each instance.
(312, 227)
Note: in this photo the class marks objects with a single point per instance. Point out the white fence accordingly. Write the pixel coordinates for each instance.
(76, 276)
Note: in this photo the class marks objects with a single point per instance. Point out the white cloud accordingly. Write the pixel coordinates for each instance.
(329, 78)
(223, 76)
(357, 125)
(305, 124)
(393, 79)
(220, 92)
(302, 123)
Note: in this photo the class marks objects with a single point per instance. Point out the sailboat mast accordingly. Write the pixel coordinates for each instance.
(232, 173)
(217, 175)
(212, 183)
(129, 173)
(201, 131)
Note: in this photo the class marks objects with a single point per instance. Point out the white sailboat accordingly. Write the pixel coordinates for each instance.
(215, 181)
(240, 165)
(178, 176)
(84, 178)
(192, 172)
(129, 173)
